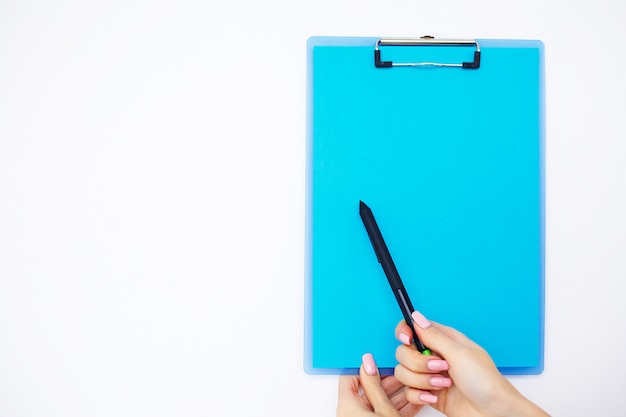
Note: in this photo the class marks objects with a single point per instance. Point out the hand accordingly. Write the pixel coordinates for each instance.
(460, 379)
(381, 397)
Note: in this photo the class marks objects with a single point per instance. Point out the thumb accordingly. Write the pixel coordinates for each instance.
(373, 389)
(433, 337)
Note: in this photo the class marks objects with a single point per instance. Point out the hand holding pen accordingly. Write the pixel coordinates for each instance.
(459, 380)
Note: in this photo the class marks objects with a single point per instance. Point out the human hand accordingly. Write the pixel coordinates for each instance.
(460, 379)
(380, 397)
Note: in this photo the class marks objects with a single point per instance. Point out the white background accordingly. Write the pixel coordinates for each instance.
(152, 170)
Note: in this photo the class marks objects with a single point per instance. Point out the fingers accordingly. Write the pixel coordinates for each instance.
(421, 371)
(425, 381)
(373, 388)
(424, 375)
(391, 385)
(385, 397)
(467, 367)
(395, 390)
(410, 409)
(442, 339)
(420, 397)
(433, 337)
(417, 362)
(403, 332)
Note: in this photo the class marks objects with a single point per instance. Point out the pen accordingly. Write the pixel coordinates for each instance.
(384, 257)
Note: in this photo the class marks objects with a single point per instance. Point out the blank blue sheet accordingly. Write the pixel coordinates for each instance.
(451, 161)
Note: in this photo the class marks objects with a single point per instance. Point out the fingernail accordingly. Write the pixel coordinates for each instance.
(420, 320)
(428, 398)
(439, 381)
(369, 365)
(438, 365)
(404, 338)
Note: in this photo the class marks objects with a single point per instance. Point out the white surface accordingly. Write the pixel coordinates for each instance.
(152, 198)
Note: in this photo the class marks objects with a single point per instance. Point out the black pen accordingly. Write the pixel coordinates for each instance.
(384, 257)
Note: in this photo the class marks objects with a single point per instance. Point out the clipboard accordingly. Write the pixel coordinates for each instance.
(444, 140)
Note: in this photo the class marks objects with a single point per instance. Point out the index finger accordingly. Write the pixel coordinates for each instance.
(404, 332)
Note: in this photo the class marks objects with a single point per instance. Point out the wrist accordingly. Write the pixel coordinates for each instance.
(523, 407)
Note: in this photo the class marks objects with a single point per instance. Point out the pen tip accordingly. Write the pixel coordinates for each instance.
(363, 207)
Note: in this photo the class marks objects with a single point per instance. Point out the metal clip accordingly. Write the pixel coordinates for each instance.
(425, 41)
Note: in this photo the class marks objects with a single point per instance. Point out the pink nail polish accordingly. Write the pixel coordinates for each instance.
(438, 365)
(369, 365)
(428, 398)
(404, 338)
(440, 382)
(420, 320)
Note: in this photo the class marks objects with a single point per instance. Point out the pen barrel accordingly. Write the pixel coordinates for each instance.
(407, 309)
(393, 277)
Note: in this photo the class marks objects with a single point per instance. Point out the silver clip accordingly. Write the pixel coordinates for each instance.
(425, 41)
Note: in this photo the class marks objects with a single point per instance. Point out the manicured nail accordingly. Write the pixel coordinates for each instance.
(369, 365)
(404, 338)
(440, 381)
(428, 398)
(420, 320)
(438, 365)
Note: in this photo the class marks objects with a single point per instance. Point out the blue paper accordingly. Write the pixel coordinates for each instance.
(451, 161)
